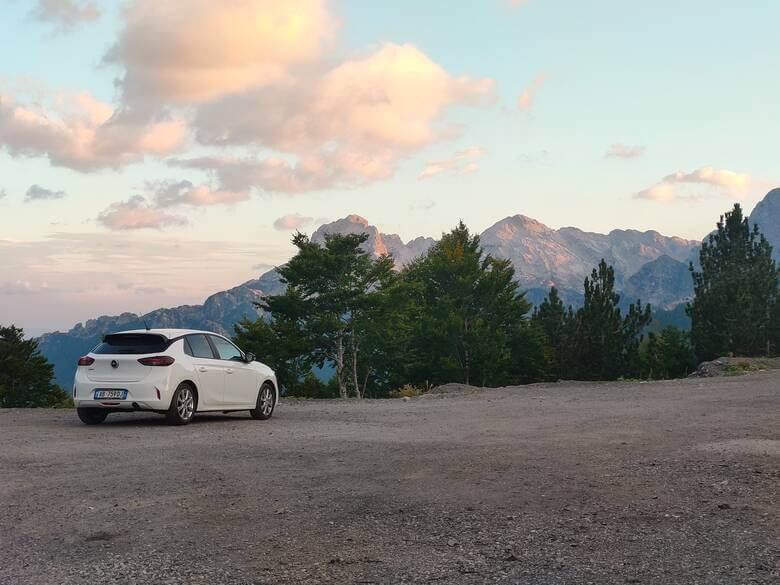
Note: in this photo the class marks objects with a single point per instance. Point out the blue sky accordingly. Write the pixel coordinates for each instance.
(503, 107)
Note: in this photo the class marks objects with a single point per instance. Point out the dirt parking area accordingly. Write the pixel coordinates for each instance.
(657, 483)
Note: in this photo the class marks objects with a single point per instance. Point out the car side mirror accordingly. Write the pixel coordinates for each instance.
(249, 357)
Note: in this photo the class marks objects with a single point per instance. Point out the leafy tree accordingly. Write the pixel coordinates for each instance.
(332, 293)
(667, 354)
(282, 345)
(601, 344)
(735, 300)
(25, 375)
(466, 312)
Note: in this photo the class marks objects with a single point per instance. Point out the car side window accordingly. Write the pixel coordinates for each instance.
(199, 346)
(226, 350)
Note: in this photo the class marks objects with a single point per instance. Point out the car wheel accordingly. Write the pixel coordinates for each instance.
(92, 416)
(182, 405)
(266, 400)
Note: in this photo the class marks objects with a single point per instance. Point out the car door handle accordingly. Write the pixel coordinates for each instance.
(203, 369)
(229, 370)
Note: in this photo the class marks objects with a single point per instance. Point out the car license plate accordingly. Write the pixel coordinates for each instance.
(114, 394)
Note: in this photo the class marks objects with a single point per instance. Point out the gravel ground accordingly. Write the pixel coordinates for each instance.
(671, 482)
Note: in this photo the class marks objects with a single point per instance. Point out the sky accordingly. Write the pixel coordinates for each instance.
(153, 152)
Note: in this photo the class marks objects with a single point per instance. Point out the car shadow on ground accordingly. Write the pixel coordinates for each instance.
(144, 419)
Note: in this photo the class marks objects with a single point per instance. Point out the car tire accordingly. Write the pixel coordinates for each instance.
(92, 416)
(266, 401)
(182, 406)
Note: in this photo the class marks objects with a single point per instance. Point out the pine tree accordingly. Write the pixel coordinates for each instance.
(735, 292)
(26, 377)
(550, 317)
(468, 310)
(601, 343)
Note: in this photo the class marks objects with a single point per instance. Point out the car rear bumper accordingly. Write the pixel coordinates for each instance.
(140, 396)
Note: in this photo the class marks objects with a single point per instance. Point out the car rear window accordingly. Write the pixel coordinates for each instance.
(132, 343)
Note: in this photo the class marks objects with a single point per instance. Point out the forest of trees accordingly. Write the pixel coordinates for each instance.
(458, 315)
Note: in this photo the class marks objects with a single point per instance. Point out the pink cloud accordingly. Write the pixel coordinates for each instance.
(136, 213)
(459, 163)
(350, 126)
(526, 98)
(624, 151)
(201, 49)
(292, 221)
(732, 183)
(83, 133)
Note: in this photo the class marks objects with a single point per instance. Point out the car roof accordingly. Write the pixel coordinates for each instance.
(167, 333)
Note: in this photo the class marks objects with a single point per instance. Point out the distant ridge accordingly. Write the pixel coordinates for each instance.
(648, 265)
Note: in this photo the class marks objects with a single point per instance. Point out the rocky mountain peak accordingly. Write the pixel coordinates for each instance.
(766, 215)
(377, 243)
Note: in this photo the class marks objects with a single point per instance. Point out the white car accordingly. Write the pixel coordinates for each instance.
(176, 372)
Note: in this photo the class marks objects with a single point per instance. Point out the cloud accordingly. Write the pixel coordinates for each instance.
(3, 194)
(459, 164)
(248, 76)
(292, 221)
(732, 183)
(83, 133)
(65, 14)
(149, 290)
(175, 193)
(347, 127)
(20, 287)
(38, 193)
(624, 151)
(422, 205)
(199, 50)
(526, 98)
(136, 213)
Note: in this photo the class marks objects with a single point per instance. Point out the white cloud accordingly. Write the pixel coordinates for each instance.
(3, 194)
(349, 126)
(624, 151)
(65, 14)
(527, 97)
(38, 193)
(83, 133)
(199, 50)
(136, 213)
(668, 189)
(175, 193)
(292, 221)
(149, 290)
(460, 163)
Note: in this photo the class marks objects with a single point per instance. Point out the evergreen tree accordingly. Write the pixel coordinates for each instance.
(26, 377)
(667, 354)
(550, 318)
(601, 343)
(467, 310)
(734, 308)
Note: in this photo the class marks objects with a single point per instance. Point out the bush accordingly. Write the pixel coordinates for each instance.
(409, 391)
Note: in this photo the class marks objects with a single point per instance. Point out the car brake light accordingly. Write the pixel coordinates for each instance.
(85, 360)
(157, 360)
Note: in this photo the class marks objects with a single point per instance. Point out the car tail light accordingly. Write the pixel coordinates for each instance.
(85, 360)
(157, 360)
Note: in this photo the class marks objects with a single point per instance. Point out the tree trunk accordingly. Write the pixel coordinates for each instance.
(353, 344)
(340, 367)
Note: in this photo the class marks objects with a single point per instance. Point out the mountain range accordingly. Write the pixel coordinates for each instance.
(648, 266)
